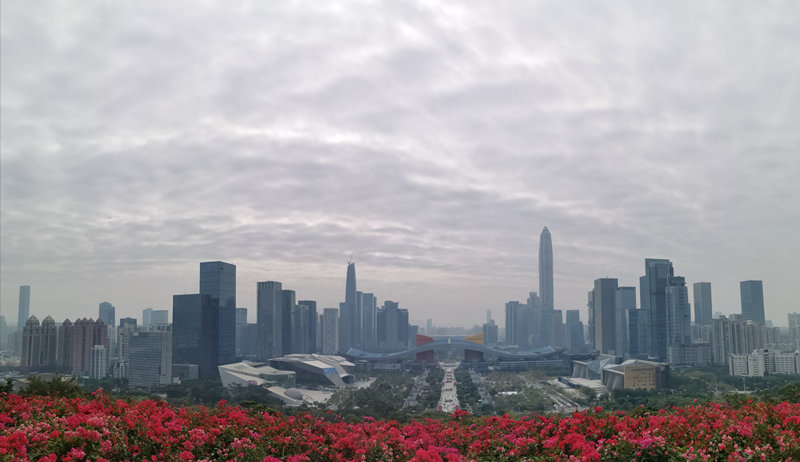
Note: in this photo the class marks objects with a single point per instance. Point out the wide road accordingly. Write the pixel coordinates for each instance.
(448, 402)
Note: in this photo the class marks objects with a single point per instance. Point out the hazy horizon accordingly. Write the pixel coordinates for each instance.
(431, 141)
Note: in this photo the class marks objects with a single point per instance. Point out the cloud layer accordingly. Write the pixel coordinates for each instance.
(431, 140)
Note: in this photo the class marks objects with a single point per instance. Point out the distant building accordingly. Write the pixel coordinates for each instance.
(189, 311)
(76, 344)
(98, 362)
(288, 303)
(39, 344)
(269, 319)
(241, 324)
(605, 315)
(151, 317)
(546, 270)
(330, 331)
(752, 297)
(23, 312)
(106, 312)
(518, 324)
(349, 317)
(626, 301)
(218, 280)
(702, 303)
(150, 359)
(490, 333)
(248, 373)
(575, 339)
(653, 301)
(738, 337)
(311, 328)
(317, 369)
(636, 374)
(369, 311)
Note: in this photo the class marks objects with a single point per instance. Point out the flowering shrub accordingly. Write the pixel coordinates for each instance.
(42, 428)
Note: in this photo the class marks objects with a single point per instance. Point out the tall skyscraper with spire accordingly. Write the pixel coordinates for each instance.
(349, 318)
(546, 270)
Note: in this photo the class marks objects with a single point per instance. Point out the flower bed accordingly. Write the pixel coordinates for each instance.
(99, 428)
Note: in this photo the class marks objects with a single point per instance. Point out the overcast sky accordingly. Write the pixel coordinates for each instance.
(432, 141)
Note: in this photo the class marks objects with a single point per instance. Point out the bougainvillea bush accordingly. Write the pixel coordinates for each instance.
(100, 428)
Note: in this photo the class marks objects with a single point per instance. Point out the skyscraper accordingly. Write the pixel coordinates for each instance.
(269, 318)
(626, 301)
(313, 320)
(702, 303)
(106, 312)
(23, 313)
(654, 303)
(191, 314)
(152, 317)
(752, 296)
(330, 331)
(678, 312)
(241, 325)
(574, 331)
(369, 308)
(349, 319)
(546, 270)
(288, 303)
(150, 358)
(218, 281)
(605, 315)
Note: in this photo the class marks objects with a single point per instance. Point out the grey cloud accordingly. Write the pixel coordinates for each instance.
(432, 140)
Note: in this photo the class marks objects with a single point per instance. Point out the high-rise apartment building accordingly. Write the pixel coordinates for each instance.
(739, 337)
(98, 362)
(546, 269)
(654, 302)
(702, 303)
(270, 320)
(605, 315)
(218, 281)
(76, 342)
(752, 296)
(39, 344)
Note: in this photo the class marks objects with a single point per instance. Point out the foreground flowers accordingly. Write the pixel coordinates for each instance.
(99, 428)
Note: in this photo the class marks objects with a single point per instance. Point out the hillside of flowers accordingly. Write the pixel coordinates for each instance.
(100, 428)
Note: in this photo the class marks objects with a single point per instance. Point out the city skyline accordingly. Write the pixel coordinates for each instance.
(432, 141)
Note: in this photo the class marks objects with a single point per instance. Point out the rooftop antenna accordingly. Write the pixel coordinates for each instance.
(350, 260)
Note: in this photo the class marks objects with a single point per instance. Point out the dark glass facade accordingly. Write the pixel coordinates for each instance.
(218, 281)
(654, 301)
(187, 317)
